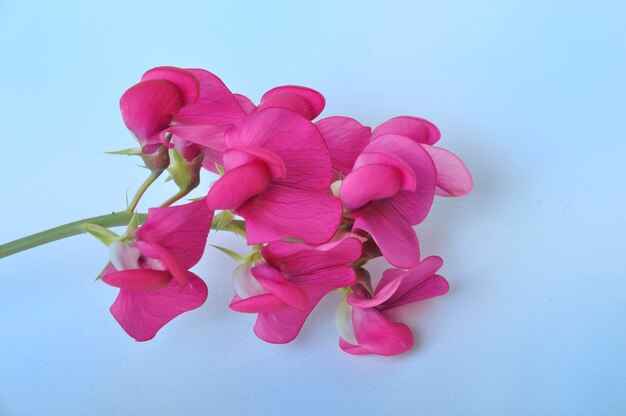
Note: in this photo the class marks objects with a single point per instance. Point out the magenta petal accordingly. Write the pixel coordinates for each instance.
(345, 138)
(300, 259)
(243, 155)
(409, 181)
(155, 251)
(453, 177)
(143, 312)
(378, 335)
(301, 100)
(186, 82)
(392, 233)
(293, 139)
(148, 107)
(418, 129)
(369, 183)
(239, 185)
(182, 230)
(352, 349)
(417, 284)
(387, 287)
(245, 103)
(138, 279)
(257, 304)
(216, 104)
(280, 287)
(284, 325)
(283, 212)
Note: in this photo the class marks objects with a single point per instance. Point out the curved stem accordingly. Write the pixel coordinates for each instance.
(176, 197)
(142, 189)
(73, 228)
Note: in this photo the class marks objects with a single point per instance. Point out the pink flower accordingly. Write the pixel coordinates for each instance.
(361, 320)
(285, 290)
(277, 176)
(390, 189)
(345, 138)
(152, 271)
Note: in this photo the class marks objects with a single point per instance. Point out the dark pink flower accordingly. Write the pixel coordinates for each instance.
(277, 176)
(152, 270)
(345, 138)
(391, 188)
(361, 319)
(285, 290)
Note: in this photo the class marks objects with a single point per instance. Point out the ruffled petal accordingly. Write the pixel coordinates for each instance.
(351, 348)
(345, 138)
(284, 212)
(186, 82)
(417, 284)
(216, 104)
(369, 183)
(415, 128)
(243, 155)
(239, 185)
(386, 288)
(301, 259)
(148, 107)
(409, 181)
(257, 304)
(453, 177)
(378, 335)
(182, 230)
(280, 287)
(155, 251)
(393, 234)
(284, 325)
(138, 279)
(295, 140)
(142, 313)
(245, 103)
(303, 101)
(245, 284)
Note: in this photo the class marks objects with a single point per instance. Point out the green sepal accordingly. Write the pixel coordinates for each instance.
(131, 151)
(221, 220)
(233, 255)
(106, 236)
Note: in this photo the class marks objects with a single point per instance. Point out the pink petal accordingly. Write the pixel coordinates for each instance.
(369, 183)
(245, 103)
(216, 105)
(300, 259)
(345, 138)
(148, 107)
(257, 304)
(453, 177)
(393, 234)
(352, 349)
(186, 82)
(284, 212)
(387, 287)
(409, 181)
(243, 155)
(301, 100)
(138, 279)
(418, 129)
(295, 140)
(244, 283)
(378, 335)
(143, 312)
(417, 284)
(239, 185)
(182, 230)
(280, 287)
(284, 325)
(155, 251)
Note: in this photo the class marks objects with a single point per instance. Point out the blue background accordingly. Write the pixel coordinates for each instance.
(530, 94)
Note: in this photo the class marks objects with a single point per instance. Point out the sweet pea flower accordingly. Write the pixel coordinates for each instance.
(346, 138)
(453, 177)
(152, 271)
(361, 320)
(277, 177)
(391, 188)
(285, 287)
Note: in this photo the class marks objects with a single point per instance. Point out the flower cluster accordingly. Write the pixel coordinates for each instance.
(315, 200)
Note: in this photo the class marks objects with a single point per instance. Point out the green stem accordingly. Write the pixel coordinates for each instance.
(73, 228)
(142, 189)
(176, 197)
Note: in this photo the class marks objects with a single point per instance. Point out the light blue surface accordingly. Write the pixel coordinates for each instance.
(530, 95)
